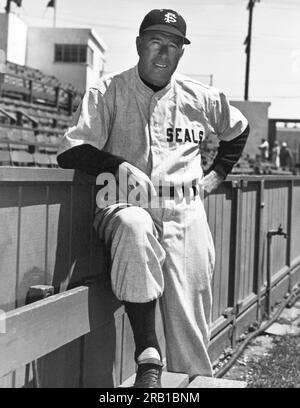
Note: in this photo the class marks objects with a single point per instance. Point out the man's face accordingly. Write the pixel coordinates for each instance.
(159, 56)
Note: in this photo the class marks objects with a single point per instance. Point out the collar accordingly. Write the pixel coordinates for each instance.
(144, 89)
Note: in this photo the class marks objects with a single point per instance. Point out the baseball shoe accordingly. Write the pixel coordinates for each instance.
(148, 374)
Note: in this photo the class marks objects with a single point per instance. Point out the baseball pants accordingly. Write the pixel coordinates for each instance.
(166, 253)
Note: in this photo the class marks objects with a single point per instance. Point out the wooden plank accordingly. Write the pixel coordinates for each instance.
(259, 247)
(225, 239)
(209, 382)
(295, 241)
(59, 235)
(30, 174)
(253, 231)
(102, 358)
(9, 215)
(219, 342)
(81, 213)
(244, 244)
(32, 256)
(218, 269)
(61, 367)
(27, 174)
(245, 319)
(41, 327)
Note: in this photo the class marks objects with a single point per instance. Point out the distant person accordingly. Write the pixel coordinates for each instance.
(264, 150)
(276, 154)
(286, 158)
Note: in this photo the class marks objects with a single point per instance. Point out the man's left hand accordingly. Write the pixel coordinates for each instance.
(211, 182)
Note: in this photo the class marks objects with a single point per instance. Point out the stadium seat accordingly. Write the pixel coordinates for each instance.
(14, 134)
(28, 136)
(53, 160)
(4, 132)
(22, 158)
(4, 146)
(5, 158)
(42, 159)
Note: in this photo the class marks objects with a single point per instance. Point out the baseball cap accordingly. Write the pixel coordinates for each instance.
(165, 20)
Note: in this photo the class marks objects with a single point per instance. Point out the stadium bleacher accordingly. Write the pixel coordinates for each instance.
(35, 111)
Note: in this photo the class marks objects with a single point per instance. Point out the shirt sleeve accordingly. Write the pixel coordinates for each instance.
(82, 144)
(232, 129)
(90, 123)
(227, 121)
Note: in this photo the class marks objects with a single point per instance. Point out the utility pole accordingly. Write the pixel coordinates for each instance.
(52, 3)
(247, 42)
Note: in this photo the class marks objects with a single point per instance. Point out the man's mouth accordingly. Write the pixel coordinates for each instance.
(160, 66)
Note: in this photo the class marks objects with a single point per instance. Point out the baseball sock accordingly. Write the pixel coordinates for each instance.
(142, 320)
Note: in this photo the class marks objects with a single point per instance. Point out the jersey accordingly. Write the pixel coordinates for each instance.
(158, 132)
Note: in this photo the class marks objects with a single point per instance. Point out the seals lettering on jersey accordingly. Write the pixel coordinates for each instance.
(179, 135)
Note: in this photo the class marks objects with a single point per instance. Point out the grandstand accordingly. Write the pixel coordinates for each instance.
(35, 111)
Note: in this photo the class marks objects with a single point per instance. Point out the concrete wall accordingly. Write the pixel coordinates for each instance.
(17, 39)
(13, 38)
(257, 115)
(40, 54)
(3, 32)
(93, 73)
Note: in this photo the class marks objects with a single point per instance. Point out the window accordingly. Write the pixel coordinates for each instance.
(73, 53)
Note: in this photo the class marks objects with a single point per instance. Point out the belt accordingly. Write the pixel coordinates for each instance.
(171, 191)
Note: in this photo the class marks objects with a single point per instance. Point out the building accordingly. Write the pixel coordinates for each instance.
(73, 55)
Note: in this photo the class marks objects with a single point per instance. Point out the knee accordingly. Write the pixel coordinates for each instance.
(132, 219)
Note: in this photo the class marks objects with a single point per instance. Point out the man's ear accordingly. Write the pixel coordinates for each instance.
(138, 44)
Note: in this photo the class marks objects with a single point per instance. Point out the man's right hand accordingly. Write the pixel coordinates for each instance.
(134, 185)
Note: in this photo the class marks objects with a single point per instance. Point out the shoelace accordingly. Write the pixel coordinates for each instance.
(149, 373)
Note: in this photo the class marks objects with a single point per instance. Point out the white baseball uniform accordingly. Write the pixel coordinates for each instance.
(164, 252)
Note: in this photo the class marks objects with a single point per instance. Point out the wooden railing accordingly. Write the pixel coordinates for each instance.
(81, 335)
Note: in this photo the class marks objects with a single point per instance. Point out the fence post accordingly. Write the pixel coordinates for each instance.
(35, 293)
(260, 248)
(236, 234)
(290, 230)
(1, 82)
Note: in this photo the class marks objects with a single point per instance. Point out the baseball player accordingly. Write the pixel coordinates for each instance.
(142, 130)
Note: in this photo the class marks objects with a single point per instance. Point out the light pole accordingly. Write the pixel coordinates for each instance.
(247, 42)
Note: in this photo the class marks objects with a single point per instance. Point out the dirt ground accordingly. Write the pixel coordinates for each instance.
(287, 323)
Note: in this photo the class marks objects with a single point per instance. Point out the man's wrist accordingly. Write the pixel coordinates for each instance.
(218, 175)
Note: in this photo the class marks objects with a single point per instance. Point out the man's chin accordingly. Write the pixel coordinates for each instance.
(160, 80)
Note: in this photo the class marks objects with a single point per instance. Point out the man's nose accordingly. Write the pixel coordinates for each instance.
(163, 49)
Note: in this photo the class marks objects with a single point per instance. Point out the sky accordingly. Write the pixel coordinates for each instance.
(217, 30)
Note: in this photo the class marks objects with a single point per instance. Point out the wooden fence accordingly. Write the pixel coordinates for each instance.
(81, 336)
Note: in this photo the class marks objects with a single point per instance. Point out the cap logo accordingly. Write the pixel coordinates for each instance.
(170, 18)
